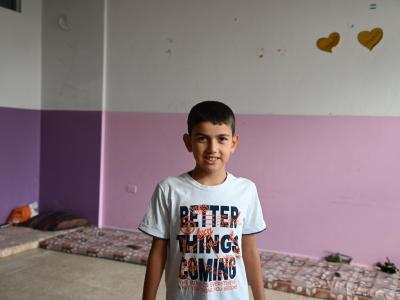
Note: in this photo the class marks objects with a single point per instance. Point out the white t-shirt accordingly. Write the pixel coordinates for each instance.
(204, 226)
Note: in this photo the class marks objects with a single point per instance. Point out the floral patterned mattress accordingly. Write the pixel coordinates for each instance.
(291, 274)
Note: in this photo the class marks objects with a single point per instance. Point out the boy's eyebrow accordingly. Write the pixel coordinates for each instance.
(200, 134)
(220, 135)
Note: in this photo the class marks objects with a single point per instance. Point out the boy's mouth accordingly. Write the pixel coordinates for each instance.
(211, 159)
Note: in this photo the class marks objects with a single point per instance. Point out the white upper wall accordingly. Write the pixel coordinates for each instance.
(20, 56)
(73, 38)
(163, 56)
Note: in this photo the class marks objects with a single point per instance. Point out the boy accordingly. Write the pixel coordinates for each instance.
(203, 222)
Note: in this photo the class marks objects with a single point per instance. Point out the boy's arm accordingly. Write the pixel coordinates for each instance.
(155, 268)
(251, 259)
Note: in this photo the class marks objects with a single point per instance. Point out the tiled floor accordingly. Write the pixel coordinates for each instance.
(297, 275)
(48, 275)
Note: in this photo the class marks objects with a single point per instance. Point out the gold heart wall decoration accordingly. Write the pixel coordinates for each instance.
(329, 43)
(370, 39)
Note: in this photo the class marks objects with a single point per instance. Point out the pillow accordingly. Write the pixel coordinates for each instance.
(52, 221)
(23, 213)
(19, 215)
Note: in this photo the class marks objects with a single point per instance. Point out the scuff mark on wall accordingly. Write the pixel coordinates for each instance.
(260, 52)
(281, 51)
(170, 42)
(350, 25)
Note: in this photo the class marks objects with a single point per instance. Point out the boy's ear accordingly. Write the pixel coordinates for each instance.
(186, 140)
(235, 142)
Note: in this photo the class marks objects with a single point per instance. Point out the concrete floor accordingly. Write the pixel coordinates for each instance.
(43, 274)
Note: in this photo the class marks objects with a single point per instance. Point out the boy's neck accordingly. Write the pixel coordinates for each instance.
(209, 179)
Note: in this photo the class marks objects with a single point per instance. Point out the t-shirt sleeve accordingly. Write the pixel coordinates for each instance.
(254, 220)
(157, 218)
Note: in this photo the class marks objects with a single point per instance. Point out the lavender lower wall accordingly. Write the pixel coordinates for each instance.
(19, 158)
(139, 149)
(325, 183)
(70, 162)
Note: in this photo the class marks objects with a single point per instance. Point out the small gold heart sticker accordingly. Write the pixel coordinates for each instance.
(370, 39)
(328, 44)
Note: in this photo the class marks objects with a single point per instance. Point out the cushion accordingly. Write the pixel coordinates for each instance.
(52, 221)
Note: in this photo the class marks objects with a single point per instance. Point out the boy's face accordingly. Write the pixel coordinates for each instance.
(212, 145)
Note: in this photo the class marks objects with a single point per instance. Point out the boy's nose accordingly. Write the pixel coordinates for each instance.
(212, 146)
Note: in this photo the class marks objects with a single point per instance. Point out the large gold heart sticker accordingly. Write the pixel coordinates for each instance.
(328, 44)
(371, 38)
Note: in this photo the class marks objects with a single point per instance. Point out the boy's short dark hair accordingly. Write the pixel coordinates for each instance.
(211, 111)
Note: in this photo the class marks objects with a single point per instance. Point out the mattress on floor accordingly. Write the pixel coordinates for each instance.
(121, 245)
(286, 273)
(14, 239)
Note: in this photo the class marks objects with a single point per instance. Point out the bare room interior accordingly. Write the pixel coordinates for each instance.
(94, 96)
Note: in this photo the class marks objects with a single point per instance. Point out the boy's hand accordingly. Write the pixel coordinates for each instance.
(155, 268)
(251, 259)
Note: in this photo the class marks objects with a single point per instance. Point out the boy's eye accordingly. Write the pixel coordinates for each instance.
(223, 139)
(201, 139)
